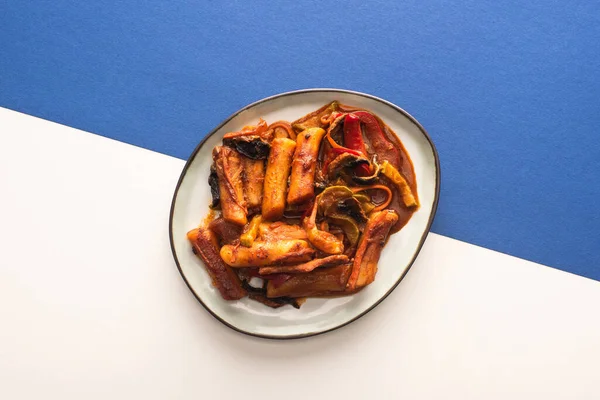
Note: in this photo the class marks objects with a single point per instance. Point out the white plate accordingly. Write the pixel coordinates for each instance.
(192, 197)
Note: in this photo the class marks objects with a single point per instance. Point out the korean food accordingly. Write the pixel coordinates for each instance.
(304, 208)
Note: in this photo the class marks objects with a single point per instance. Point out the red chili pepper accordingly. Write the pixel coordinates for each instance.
(384, 149)
(353, 140)
(353, 134)
(353, 143)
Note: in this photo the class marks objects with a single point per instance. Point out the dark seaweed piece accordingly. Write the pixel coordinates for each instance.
(213, 181)
(352, 208)
(343, 161)
(260, 295)
(252, 147)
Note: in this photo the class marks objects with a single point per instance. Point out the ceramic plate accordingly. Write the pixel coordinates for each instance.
(192, 197)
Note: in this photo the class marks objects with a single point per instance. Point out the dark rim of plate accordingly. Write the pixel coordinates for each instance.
(295, 92)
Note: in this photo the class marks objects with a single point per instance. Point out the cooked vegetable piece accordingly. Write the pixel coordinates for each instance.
(229, 170)
(340, 200)
(247, 238)
(320, 282)
(363, 198)
(205, 245)
(338, 204)
(367, 207)
(353, 139)
(352, 208)
(368, 179)
(313, 119)
(252, 147)
(227, 232)
(254, 176)
(348, 225)
(274, 303)
(331, 196)
(260, 295)
(335, 136)
(379, 143)
(213, 182)
(267, 253)
(345, 160)
(305, 267)
(278, 170)
(334, 129)
(369, 249)
(353, 135)
(324, 241)
(396, 177)
(304, 165)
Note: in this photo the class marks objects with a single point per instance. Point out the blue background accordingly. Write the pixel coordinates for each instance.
(509, 91)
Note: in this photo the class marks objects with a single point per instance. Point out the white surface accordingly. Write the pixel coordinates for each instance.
(317, 315)
(92, 306)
